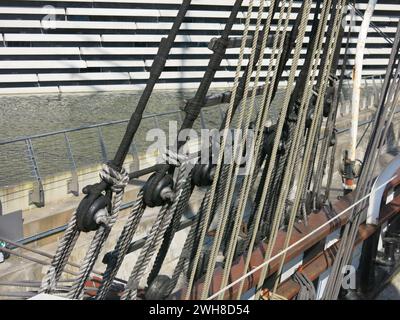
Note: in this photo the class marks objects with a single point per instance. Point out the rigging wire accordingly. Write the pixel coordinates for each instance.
(226, 191)
(299, 39)
(331, 221)
(279, 130)
(385, 112)
(314, 127)
(223, 144)
(113, 182)
(238, 216)
(233, 168)
(231, 179)
(377, 28)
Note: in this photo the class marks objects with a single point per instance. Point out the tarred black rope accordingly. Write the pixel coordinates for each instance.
(155, 72)
(93, 191)
(192, 111)
(287, 137)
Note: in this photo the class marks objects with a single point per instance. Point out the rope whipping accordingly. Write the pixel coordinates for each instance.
(118, 181)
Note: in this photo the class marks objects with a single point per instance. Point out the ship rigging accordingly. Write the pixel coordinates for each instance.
(257, 214)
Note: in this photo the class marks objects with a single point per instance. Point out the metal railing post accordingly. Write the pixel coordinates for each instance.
(202, 120)
(36, 195)
(135, 165)
(102, 145)
(221, 113)
(73, 184)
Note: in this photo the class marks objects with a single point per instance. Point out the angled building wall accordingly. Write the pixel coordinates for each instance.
(53, 46)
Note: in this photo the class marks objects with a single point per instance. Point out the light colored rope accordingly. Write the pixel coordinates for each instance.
(281, 121)
(118, 182)
(122, 246)
(223, 144)
(271, 296)
(144, 258)
(71, 234)
(155, 236)
(267, 97)
(364, 185)
(314, 130)
(244, 116)
(232, 243)
(331, 221)
(307, 290)
(60, 259)
(300, 126)
(190, 242)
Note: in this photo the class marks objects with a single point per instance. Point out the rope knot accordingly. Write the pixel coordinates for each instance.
(118, 180)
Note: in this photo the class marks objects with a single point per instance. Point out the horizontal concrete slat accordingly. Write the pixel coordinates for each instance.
(32, 10)
(38, 51)
(26, 90)
(114, 12)
(184, 26)
(187, 75)
(83, 76)
(115, 63)
(143, 51)
(140, 38)
(101, 33)
(98, 25)
(20, 24)
(194, 2)
(99, 88)
(11, 78)
(40, 64)
(118, 51)
(39, 37)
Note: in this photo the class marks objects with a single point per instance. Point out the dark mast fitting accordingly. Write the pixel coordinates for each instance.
(250, 210)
